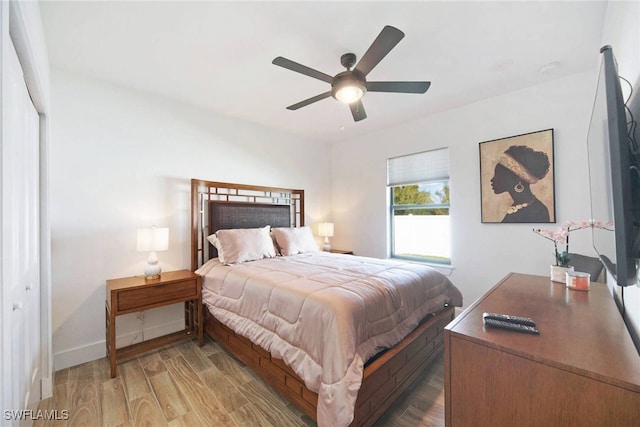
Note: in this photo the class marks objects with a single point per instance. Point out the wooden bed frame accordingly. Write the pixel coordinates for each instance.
(384, 379)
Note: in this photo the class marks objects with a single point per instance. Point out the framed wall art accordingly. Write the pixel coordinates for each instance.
(517, 179)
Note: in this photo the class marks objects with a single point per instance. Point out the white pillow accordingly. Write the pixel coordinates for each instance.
(213, 239)
(243, 244)
(295, 240)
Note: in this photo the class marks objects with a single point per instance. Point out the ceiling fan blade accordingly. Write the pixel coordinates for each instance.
(357, 110)
(399, 87)
(302, 69)
(309, 101)
(381, 46)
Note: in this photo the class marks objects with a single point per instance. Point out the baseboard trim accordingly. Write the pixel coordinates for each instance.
(46, 387)
(97, 350)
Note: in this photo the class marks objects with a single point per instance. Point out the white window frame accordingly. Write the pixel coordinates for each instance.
(416, 169)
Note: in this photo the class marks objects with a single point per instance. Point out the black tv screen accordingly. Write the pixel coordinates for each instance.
(613, 175)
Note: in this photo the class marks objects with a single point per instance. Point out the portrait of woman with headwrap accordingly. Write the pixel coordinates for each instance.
(516, 179)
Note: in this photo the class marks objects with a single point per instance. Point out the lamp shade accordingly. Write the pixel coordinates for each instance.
(325, 229)
(153, 239)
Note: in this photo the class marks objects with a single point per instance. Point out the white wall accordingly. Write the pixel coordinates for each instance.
(121, 160)
(481, 253)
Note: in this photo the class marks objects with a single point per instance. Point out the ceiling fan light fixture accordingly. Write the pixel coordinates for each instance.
(349, 94)
(348, 88)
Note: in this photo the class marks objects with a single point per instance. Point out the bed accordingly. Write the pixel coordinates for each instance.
(340, 336)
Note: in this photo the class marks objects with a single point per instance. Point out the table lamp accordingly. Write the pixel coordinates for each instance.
(325, 229)
(151, 240)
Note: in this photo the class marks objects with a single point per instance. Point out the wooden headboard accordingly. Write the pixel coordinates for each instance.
(219, 205)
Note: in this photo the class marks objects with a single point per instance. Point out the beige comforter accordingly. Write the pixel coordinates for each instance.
(325, 314)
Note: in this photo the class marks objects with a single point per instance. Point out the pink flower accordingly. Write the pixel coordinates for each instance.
(561, 235)
(558, 236)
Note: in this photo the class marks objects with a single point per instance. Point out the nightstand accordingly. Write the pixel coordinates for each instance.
(132, 294)
(340, 251)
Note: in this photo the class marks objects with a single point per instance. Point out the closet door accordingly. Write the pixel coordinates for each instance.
(20, 240)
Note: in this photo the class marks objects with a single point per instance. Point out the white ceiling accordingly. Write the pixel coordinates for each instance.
(217, 55)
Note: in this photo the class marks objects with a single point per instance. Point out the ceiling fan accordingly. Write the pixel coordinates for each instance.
(349, 86)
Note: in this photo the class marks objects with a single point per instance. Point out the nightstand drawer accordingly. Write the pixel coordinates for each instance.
(162, 293)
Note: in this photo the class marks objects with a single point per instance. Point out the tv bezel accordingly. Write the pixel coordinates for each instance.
(620, 169)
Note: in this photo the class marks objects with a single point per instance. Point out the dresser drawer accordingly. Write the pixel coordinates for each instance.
(163, 293)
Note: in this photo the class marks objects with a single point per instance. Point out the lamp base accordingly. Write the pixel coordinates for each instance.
(152, 269)
(326, 245)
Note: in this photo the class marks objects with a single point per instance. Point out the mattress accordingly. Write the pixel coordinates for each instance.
(325, 314)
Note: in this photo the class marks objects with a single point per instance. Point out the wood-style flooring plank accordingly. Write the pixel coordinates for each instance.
(81, 392)
(112, 397)
(202, 400)
(152, 364)
(276, 415)
(62, 376)
(134, 380)
(101, 370)
(210, 347)
(145, 412)
(50, 407)
(171, 400)
(253, 415)
(85, 415)
(84, 373)
(229, 396)
(231, 368)
(57, 402)
(190, 419)
(169, 352)
(256, 389)
(192, 354)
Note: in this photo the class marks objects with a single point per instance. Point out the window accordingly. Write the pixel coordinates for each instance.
(419, 200)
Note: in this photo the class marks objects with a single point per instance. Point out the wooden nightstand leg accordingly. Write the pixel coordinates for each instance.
(189, 317)
(111, 339)
(193, 319)
(200, 324)
(106, 329)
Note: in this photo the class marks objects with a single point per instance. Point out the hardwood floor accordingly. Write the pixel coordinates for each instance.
(187, 385)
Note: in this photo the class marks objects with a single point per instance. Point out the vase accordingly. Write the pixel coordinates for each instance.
(559, 274)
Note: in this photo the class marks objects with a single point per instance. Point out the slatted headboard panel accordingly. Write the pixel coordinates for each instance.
(226, 215)
(217, 205)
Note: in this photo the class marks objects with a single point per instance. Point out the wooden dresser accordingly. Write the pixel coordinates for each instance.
(582, 370)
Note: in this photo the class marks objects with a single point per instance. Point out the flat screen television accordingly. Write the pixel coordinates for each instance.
(614, 178)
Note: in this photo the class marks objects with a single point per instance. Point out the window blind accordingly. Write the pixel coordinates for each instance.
(427, 166)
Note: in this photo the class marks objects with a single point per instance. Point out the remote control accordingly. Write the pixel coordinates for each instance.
(518, 327)
(511, 319)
